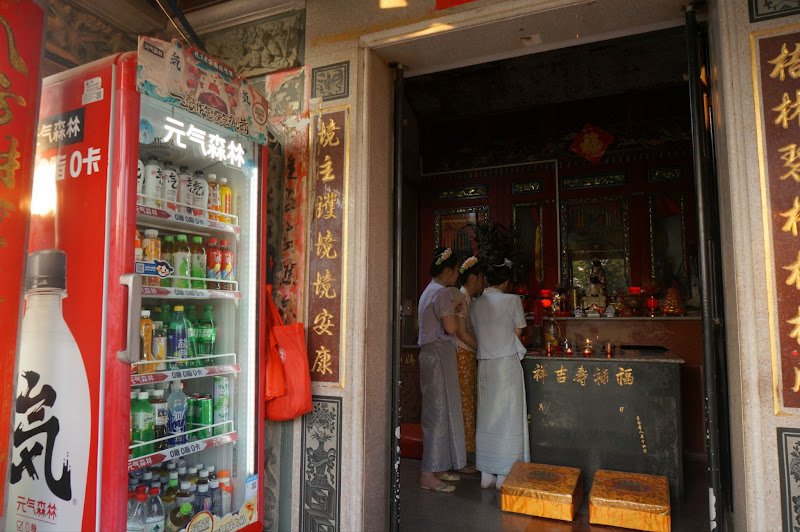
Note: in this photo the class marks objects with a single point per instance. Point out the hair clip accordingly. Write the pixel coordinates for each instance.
(469, 263)
(444, 256)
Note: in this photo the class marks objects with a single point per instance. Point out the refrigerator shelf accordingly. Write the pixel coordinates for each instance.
(179, 451)
(164, 219)
(183, 374)
(168, 292)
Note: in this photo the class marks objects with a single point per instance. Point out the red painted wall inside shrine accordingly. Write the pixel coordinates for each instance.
(646, 169)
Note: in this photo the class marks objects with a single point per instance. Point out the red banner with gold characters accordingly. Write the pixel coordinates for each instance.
(22, 24)
(325, 269)
(776, 59)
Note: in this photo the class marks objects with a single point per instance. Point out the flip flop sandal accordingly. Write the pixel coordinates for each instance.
(444, 488)
(468, 470)
(448, 476)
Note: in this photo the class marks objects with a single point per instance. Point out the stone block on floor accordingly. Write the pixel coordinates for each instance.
(630, 500)
(542, 490)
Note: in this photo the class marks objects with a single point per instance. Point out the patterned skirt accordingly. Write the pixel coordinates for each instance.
(442, 420)
(467, 377)
(501, 436)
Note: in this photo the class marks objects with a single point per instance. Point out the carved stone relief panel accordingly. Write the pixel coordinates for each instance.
(266, 45)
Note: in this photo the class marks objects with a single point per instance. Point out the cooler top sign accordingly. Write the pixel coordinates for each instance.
(187, 78)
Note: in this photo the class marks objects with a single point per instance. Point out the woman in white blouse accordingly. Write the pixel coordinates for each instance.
(502, 427)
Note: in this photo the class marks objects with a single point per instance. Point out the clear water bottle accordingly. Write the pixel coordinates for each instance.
(155, 520)
(216, 497)
(202, 499)
(137, 515)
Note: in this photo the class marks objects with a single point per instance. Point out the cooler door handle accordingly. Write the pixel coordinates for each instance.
(134, 283)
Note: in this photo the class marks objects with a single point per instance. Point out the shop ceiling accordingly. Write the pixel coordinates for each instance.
(595, 70)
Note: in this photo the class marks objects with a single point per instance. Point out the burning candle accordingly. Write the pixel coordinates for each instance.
(587, 350)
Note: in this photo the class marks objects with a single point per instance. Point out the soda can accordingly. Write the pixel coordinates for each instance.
(222, 401)
(191, 409)
(204, 413)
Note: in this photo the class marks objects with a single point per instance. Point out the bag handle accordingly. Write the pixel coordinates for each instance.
(274, 315)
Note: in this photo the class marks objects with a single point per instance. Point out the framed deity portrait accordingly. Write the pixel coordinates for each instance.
(453, 227)
(595, 228)
(527, 231)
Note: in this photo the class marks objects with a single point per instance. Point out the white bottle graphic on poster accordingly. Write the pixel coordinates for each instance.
(153, 183)
(170, 186)
(52, 417)
(185, 196)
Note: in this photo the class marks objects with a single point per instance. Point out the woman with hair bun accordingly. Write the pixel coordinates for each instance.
(502, 432)
(471, 283)
(442, 423)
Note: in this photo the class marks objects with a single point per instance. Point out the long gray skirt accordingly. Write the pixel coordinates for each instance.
(501, 436)
(443, 445)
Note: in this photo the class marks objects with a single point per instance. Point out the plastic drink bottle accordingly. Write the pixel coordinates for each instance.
(199, 194)
(160, 411)
(166, 318)
(176, 407)
(178, 346)
(226, 266)
(146, 339)
(170, 186)
(147, 478)
(139, 180)
(191, 317)
(151, 251)
(143, 426)
(181, 261)
(206, 335)
(202, 477)
(49, 358)
(202, 499)
(213, 197)
(138, 515)
(185, 190)
(170, 494)
(198, 262)
(227, 493)
(192, 477)
(134, 395)
(179, 517)
(216, 497)
(225, 199)
(159, 345)
(181, 473)
(138, 252)
(212, 475)
(213, 263)
(153, 186)
(183, 495)
(155, 520)
(199, 467)
(167, 247)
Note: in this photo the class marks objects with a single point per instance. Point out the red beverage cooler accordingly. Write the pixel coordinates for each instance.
(140, 355)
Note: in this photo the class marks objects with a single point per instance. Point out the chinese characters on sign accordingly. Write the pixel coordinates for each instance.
(325, 263)
(210, 145)
(600, 376)
(779, 84)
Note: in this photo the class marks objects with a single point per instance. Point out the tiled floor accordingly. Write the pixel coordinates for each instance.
(472, 508)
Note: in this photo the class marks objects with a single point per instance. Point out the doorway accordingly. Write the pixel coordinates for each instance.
(428, 206)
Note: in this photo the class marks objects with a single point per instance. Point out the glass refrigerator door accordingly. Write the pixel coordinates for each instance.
(197, 221)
